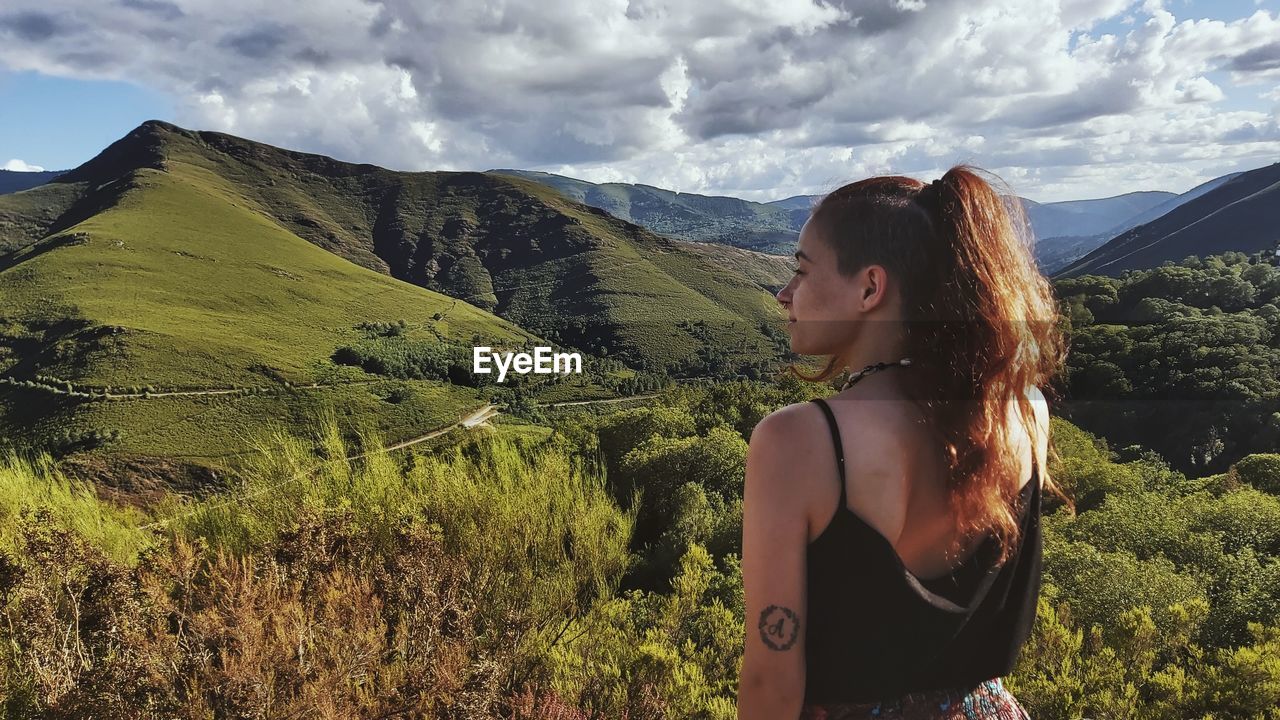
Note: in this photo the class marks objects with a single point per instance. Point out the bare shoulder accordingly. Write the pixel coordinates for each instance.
(788, 424)
(879, 454)
(788, 439)
(785, 437)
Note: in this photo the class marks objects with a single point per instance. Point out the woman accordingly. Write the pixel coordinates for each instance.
(891, 533)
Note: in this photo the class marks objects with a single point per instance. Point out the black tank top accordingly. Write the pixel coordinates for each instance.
(875, 631)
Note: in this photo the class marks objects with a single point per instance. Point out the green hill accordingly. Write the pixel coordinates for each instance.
(175, 282)
(563, 270)
(184, 291)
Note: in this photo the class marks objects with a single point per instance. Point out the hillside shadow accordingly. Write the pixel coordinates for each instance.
(31, 347)
(41, 247)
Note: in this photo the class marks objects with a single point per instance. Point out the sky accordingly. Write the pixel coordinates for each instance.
(759, 99)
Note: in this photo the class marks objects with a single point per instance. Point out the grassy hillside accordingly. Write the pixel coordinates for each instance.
(184, 290)
(558, 268)
(768, 271)
(181, 285)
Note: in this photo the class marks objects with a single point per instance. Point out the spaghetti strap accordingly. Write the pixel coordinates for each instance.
(835, 438)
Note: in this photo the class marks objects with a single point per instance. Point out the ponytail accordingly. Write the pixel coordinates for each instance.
(980, 321)
(998, 334)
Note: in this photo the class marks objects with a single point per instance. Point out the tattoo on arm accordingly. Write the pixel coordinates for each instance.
(779, 627)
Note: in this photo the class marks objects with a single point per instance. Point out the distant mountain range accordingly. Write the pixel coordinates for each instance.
(1090, 217)
(1056, 251)
(770, 228)
(12, 181)
(1238, 213)
(1065, 231)
(197, 262)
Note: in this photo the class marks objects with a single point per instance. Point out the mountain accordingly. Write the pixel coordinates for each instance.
(1089, 217)
(1240, 214)
(1056, 252)
(148, 296)
(796, 202)
(701, 218)
(12, 181)
(1064, 230)
(198, 261)
(1152, 213)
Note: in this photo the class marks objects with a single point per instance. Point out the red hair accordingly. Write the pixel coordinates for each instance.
(981, 322)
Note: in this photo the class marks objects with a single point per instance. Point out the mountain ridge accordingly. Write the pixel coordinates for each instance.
(1064, 230)
(175, 283)
(1236, 214)
(12, 181)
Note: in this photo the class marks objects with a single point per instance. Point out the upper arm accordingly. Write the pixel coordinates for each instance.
(775, 536)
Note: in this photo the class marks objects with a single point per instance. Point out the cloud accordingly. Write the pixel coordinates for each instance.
(259, 43)
(31, 26)
(1263, 59)
(17, 165)
(161, 8)
(751, 97)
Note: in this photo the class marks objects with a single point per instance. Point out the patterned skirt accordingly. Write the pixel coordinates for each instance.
(989, 700)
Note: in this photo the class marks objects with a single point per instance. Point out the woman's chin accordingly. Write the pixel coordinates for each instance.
(800, 343)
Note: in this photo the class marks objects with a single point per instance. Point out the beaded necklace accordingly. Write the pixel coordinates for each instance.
(904, 362)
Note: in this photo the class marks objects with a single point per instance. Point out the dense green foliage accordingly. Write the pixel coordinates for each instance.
(398, 357)
(1182, 359)
(1161, 595)
(615, 590)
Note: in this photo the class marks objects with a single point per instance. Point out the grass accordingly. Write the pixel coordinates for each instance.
(215, 430)
(28, 483)
(208, 293)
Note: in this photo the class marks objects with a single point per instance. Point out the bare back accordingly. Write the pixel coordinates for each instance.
(896, 474)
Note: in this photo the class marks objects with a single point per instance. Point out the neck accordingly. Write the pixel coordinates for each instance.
(889, 383)
(858, 358)
(880, 341)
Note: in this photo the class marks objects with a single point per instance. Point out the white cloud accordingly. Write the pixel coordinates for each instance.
(17, 165)
(747, 97)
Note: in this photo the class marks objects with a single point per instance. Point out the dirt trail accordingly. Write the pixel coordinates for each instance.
(56, 385)
(477, 417)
